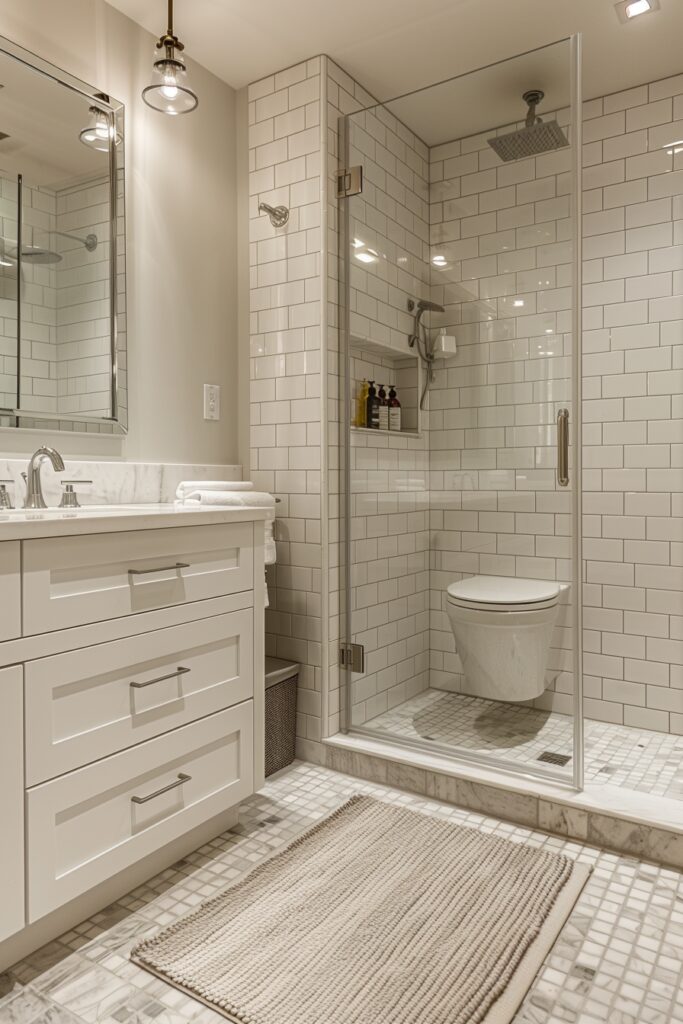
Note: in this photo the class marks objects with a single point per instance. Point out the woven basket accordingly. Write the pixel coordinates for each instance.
(280, 724)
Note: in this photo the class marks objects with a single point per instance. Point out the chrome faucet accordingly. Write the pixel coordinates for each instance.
(34, 490)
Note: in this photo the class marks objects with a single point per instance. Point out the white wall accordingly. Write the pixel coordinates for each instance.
(181, 224)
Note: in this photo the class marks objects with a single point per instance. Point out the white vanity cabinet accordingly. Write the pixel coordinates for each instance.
(10, 590)
(131, 703)
(11, 802)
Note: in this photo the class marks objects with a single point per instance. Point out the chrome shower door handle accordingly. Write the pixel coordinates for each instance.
(563, 447)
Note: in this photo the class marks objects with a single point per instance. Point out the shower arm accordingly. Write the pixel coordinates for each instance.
(90, 241)
(532, 98)
(279, 215)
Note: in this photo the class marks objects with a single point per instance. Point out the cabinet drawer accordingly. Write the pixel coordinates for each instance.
(86, 826)
(69, 581)
(89, 703)
(10, 590)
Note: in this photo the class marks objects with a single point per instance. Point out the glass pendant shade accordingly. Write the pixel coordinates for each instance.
(169, 92)
(99, 131)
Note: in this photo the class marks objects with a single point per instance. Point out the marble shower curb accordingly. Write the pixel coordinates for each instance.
(541, 807)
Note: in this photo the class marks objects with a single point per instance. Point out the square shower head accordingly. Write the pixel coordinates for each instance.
(541, 137)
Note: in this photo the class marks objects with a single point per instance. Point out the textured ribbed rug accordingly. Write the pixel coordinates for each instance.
(377, 915)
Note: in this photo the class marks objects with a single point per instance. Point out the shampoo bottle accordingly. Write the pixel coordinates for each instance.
(361, 405)
(372, 406)
(394, 410)
(383, 409)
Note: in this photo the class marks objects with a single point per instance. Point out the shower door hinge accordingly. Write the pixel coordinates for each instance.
(349, 182)
(352, 656)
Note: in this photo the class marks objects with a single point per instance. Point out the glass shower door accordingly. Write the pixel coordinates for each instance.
(460, 304)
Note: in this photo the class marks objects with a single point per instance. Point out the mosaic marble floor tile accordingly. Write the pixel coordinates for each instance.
(636, 759)
(618, 959)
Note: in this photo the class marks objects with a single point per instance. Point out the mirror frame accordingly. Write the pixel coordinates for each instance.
(117, 422)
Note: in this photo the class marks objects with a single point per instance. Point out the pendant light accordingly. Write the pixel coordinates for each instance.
(100, 128)
(168, 92)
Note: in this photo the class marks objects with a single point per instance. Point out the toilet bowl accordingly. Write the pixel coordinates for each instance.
(502, 628)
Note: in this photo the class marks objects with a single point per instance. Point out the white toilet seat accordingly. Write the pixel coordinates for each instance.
(503, 594)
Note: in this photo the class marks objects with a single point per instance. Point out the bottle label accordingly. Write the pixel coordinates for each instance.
(384, 417)
(394, 418)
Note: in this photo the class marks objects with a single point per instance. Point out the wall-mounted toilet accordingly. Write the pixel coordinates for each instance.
(503, 627)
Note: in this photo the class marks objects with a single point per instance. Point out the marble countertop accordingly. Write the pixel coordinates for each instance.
(25, 524)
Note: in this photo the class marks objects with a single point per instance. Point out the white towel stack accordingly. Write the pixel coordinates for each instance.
(232, 494)
(188, 487)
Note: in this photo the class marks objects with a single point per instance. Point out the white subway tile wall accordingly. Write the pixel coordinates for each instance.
(285, 157)
(633, 407)
(83, 324)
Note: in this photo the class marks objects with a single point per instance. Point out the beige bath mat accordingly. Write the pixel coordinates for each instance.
(378, 915)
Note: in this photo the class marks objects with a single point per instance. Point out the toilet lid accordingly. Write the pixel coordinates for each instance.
(503, 590)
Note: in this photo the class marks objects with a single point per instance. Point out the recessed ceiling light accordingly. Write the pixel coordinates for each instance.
(439, 261)
(627, 10)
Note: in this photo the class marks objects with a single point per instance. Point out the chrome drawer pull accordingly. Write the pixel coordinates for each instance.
(161, 568)
(165, 789)
(180, 671)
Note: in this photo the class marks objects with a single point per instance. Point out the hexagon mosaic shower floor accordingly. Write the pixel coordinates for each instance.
(619, 957)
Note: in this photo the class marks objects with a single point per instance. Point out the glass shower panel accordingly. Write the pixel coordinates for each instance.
(461, 257)
(9, 285)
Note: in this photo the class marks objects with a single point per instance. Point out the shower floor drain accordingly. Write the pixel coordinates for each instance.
(550, 757)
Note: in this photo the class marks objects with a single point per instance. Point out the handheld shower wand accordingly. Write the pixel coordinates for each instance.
(418, 340)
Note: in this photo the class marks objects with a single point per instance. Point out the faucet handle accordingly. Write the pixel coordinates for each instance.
(70, 497)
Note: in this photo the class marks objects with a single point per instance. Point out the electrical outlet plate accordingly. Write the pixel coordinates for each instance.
(212, 401)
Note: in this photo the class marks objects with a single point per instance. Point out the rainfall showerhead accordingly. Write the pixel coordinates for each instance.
(535, 137)
(37, 254)
(40, 254)
(425, 306)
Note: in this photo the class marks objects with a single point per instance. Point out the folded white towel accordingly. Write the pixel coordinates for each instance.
(237, 499)
(187, 486)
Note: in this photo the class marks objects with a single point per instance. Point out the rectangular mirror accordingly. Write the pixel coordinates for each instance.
(62, 250)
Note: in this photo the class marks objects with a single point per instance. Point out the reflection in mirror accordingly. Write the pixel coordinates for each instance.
(62, 328)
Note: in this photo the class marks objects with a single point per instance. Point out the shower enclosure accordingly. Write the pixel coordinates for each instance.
(461, 292)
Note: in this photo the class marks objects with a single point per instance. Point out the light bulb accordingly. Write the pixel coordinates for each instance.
(102, 127)
(170, 87)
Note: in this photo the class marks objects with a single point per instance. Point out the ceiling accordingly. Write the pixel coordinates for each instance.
(395, 46)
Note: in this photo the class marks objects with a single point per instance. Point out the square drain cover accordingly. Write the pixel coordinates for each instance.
(550, 757)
